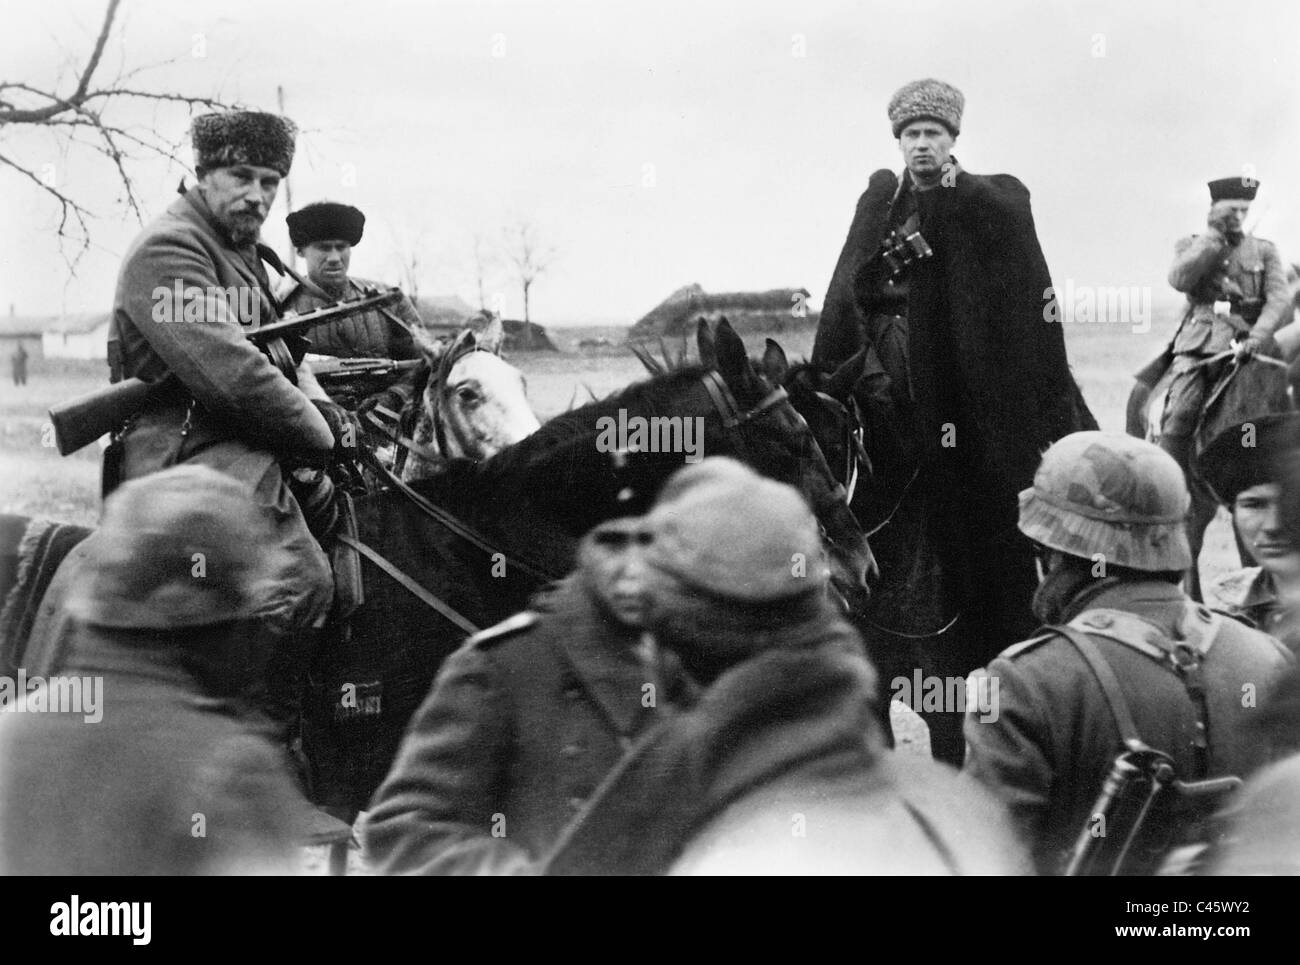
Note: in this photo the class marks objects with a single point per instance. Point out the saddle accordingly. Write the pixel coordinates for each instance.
(41, 547)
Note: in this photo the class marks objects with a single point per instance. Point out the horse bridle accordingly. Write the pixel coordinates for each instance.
(734, 418)
(855, 453)
(405, 442)
(445, 365)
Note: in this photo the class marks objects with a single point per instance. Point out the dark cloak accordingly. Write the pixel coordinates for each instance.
(991, 390)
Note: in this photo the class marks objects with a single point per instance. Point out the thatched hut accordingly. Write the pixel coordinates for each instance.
(776, 310)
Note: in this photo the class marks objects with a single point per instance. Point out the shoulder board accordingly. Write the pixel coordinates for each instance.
(504, 630)
(1016, 649)
(1131, 630)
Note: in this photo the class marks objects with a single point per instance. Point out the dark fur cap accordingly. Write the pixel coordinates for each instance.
(243, 137)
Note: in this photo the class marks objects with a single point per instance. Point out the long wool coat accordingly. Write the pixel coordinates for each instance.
(247, 415)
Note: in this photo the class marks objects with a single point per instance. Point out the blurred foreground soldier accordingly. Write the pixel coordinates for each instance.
(190, 286)
(1126, 656)
(1241, 466)
(1262, 836)
(522, 723)
(779, 768)
(324, 234)
(1236, 288)
(171, 770)
(18, 362)
(943, 284)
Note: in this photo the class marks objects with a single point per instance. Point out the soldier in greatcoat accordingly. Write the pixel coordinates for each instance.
(191, 286)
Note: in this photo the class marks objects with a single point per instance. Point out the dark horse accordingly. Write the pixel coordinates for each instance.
(913, 619)
(525, 509)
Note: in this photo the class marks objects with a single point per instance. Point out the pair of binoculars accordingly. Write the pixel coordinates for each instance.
(900, 250)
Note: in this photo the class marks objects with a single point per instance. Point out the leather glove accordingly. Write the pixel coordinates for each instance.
(343, 426)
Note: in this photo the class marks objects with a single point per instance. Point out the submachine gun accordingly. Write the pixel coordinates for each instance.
(1138, 777)
(84, 419)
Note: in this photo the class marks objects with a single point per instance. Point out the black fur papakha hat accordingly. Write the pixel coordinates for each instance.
(928, 98)
(326, 221)
(1233, 189)
(243, 137)
(1249, 454)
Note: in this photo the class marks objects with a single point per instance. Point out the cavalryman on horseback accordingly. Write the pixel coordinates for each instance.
(943, 287)
(1236, 288)
(214, 398)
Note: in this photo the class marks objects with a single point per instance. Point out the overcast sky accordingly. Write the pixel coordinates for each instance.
(661, 143)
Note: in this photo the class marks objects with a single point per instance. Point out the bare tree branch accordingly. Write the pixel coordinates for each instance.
(67, 208)
(23, 104)
(79, 95)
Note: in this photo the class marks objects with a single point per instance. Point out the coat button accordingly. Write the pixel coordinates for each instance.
(571, 750)
(576, 803)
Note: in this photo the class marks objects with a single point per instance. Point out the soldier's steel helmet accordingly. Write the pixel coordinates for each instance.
(1111, 494)
(185, 547)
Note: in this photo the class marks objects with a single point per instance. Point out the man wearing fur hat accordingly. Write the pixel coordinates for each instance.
(943, 286)
(1244, 467)
(191, 285)
(324, 235)
(1236, 288)
(779, 766)
(523, 722)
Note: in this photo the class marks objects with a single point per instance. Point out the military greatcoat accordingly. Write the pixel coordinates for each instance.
(520, 727)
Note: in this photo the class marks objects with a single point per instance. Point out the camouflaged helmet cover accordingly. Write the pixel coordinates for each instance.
(1110, 494)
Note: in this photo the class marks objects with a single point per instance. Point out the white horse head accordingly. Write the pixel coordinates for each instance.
(474, 403)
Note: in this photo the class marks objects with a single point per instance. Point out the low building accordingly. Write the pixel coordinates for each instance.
(80, 336)
(777, 310)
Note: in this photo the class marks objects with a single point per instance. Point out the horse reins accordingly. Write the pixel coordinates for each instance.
(734, 419)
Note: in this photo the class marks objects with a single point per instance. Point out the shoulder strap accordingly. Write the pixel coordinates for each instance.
(1106, 678)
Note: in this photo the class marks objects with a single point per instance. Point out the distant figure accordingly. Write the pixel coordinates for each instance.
(1236, 287)
(19, 361)
(165, 765)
